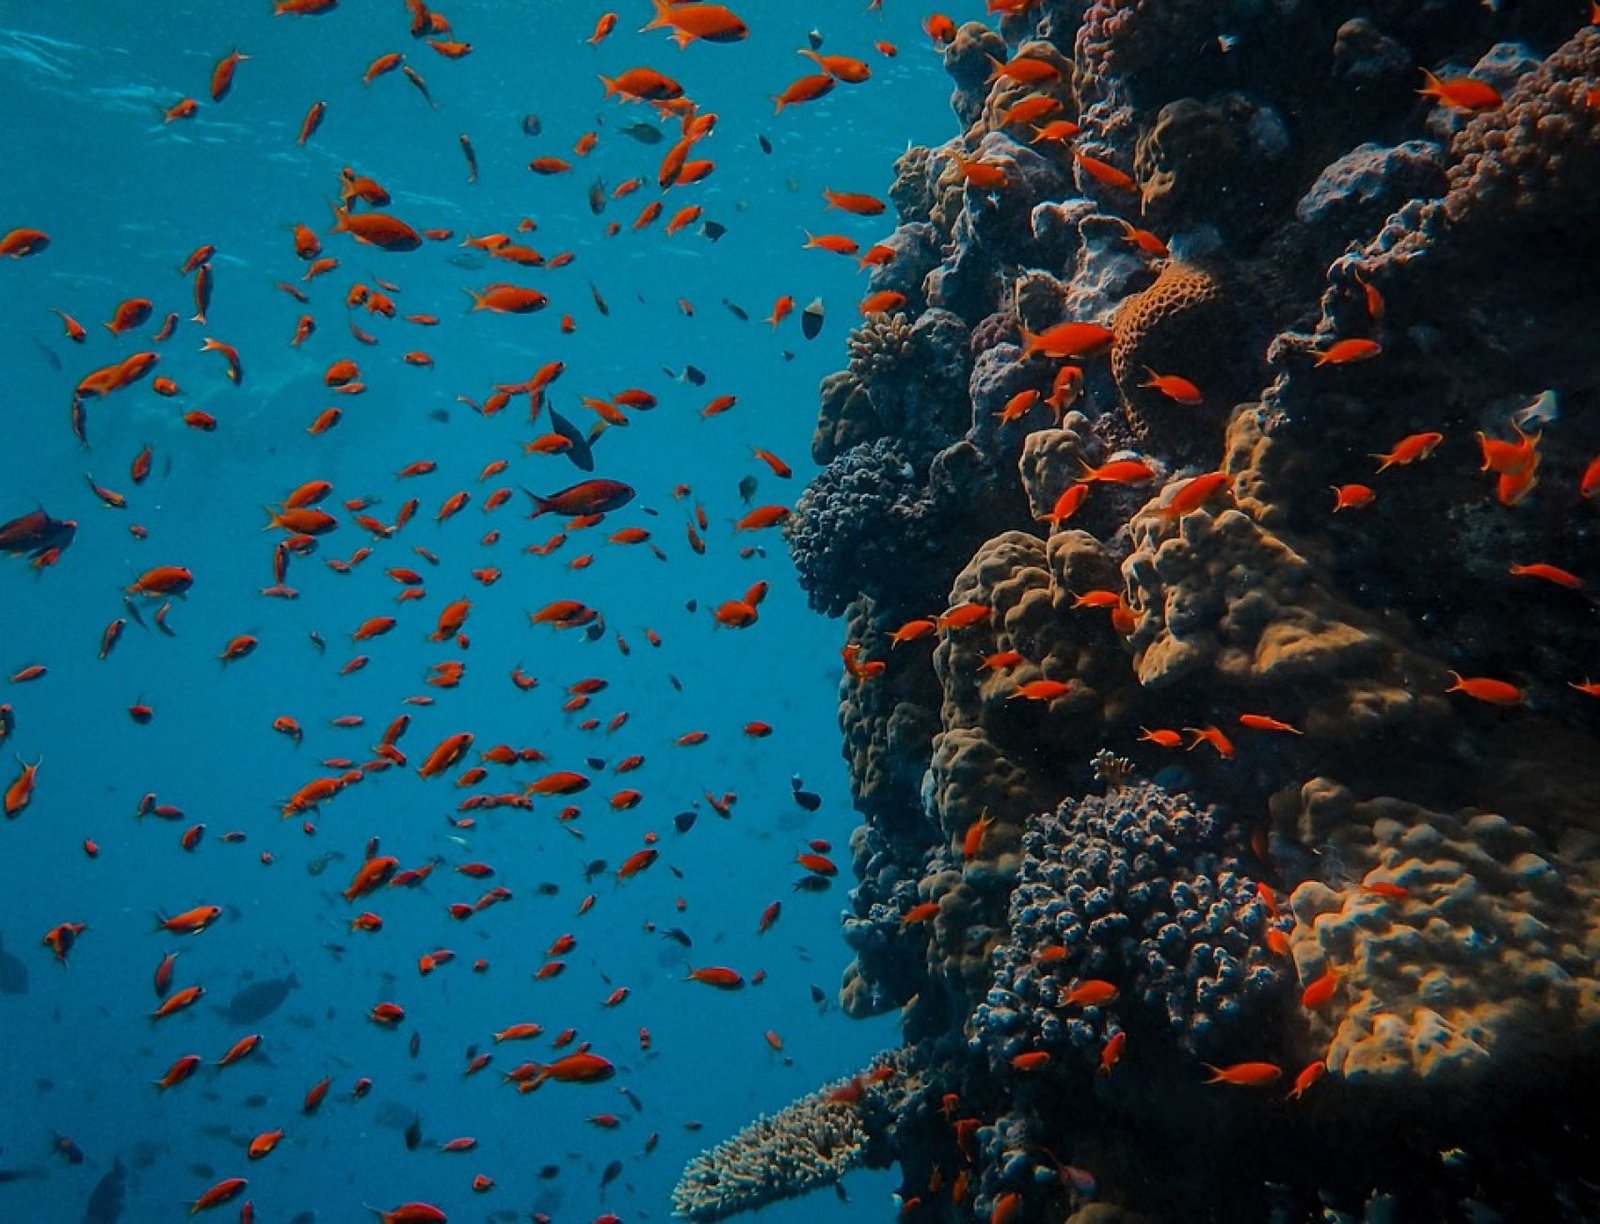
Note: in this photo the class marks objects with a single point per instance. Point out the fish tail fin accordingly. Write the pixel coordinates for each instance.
(609, 82)
(1216, 1076)
(274, 518)
(661, 18)
(541, 506)
(341, 218)
(477, 300)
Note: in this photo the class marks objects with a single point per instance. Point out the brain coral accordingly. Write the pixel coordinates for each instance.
(1454, 939)
(1182, 324)
(1145, 889)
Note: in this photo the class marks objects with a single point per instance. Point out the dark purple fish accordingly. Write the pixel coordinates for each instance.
(36, 533)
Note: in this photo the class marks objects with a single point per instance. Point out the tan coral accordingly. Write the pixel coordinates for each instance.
(1183, 324)
(1216, 593)
(811, 1143)
(1488, 954)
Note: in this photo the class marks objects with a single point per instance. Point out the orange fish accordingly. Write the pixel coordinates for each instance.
(1410, 449)
(691, 22)
(1485, 689)
(222, 74)
(1093, 993)
(1343, 352)
(1244, 1074)
(1460, 93)
(1352, 497)
(1549, 573)
(803, 89)
(1178, 390)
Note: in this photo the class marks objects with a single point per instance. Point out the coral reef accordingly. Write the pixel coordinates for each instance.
(1083, 568)
(1145, 890)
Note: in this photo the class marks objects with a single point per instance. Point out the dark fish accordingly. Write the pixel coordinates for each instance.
(599, 302)
(422, 86)
(747, 489)
(677, 685)
(632, 1099)
(713, 230)
(811, 320)
(580, 452)
(49, 354)
(817, 996)
(414, 1134)
(13, 973)
(610, 1174)
(585, 497)
(691, 606)
(839, 1192)
(595, 762)
(814, 37)
(594, 632)
(693, 376)
(256, 1100)
(597, 196)
(259, 1000)
(644, 133)
(593, 868)
(531, 125)
(64, 1147)
(16, 1175)
(684, 821)
(737, 311)
(416, 1044)
(546, 1172)
(766, 145)
(36, 533)
(547, 888)
(472, 158)
(678, 935)
(106, 1199)
(305, 1217)
(809, 800)
(813, 883)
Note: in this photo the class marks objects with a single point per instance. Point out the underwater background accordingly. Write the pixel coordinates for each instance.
(889, 613)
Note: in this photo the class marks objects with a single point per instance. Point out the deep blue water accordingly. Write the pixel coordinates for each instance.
(124, 199)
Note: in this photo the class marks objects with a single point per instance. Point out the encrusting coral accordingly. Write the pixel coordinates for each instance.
(1462, 946)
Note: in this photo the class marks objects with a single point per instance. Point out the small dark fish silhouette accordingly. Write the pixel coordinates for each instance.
(13, 973)
(713, 230)
(611, 1173)
(259, 1000)
(766, 145)
(644, 133)
(414, 1133)
(684, 821)
(472, 158)
(737, 311)
(531, 125)
(678, 935)
(811, 320)
(107, 1197)
(580, 452)
(597, 196)
(747, 489)
(809, 800)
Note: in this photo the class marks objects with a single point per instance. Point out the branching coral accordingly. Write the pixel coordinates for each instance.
(1141, 888)
(811, 1143)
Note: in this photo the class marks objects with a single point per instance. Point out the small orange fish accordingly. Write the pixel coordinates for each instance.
(1352, 497)
(1244, 1074)
(1410, 449)
(1344, 352)
(1485, 689)
(1460, 93)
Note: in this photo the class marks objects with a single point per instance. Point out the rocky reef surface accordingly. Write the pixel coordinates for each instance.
(1215, 534)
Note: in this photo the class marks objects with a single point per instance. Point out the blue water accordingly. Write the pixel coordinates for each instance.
(125, 199)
